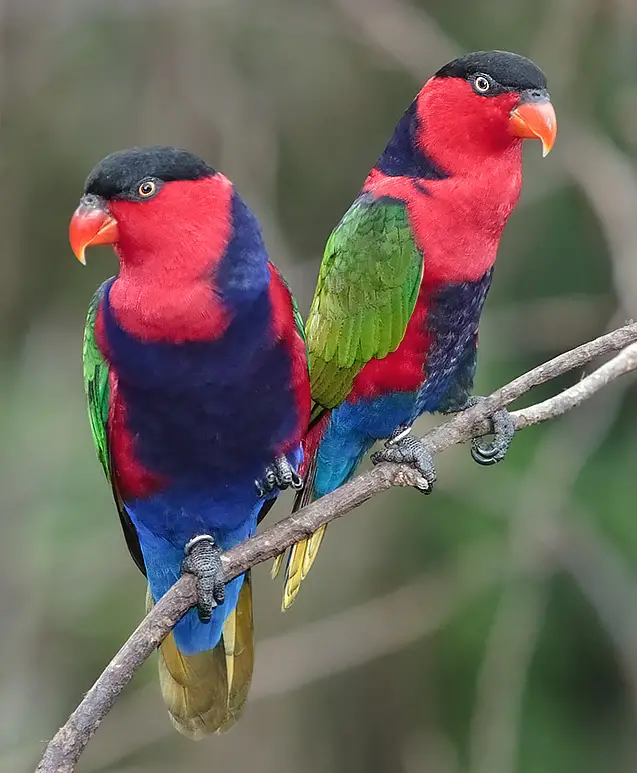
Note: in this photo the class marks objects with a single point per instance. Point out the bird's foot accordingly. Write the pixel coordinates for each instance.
(278, 475)
(503, 429)
(203, 559)
(401, 448)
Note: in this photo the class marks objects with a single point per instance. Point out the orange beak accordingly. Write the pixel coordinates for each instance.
(534, 118)
(91, 224)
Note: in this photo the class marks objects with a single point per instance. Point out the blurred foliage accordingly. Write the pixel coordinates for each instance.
(490, 628)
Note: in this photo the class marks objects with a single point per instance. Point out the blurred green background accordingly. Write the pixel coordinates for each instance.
(490, 628)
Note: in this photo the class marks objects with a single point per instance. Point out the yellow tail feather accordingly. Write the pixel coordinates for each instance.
(302, 556)
(303, 553)
(276, 566)
(238, 642)
(205, 693)
(194, 689)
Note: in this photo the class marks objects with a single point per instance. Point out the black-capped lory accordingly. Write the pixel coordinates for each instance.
(393, 329)
(196, 374)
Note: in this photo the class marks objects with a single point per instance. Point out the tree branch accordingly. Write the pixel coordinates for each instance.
(63, 752)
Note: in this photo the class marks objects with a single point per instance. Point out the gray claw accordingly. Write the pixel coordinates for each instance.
(278, 475)
(503, 431)
(495, 451)
(400, 448)
(203, 559)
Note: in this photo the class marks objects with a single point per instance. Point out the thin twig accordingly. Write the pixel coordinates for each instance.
(63, 752)
(623, 363)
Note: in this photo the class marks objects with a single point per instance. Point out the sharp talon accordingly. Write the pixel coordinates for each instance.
(278, 475)
(203, 559)
(411, 451)
(503, 429)
(487, 454)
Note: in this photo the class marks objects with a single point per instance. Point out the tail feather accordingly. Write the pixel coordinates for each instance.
(302, 554)
(276, 566)
(194, 688)
(205, 693)
(238, 642)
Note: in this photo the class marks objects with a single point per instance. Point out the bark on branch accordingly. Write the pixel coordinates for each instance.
(64, 750)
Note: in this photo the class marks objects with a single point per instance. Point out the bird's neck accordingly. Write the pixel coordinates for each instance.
(404, 156)
(458, 224)
(168, 311)
(189, 290)
(458, 203)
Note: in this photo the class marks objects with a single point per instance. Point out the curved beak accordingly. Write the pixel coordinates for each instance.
(91, 224)
(534, 118)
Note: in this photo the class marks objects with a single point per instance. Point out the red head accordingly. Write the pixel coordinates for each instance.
(163, 209)
(482, 105)
(168, 216)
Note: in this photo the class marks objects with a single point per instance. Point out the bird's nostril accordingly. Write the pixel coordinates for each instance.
(90, 200)
(535, 95)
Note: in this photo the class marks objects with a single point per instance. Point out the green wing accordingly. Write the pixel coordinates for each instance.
(366, 292)
(96, 384)
(97, 388)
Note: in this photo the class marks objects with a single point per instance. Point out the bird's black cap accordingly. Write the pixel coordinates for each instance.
(510, 71)
(118, 175)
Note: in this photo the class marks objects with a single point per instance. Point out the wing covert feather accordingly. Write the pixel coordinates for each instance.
(366, 292)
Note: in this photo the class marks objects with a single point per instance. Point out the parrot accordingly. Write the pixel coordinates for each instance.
(392, 330)
(196, 375)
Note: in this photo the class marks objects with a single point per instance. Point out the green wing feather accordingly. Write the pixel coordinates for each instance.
(96, 384)
(97, 388)
(367, 289)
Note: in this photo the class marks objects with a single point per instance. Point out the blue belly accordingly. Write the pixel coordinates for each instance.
(167, 520)
(352, 430)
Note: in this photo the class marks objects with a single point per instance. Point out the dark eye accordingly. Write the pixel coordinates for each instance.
(482, 83)
(146, 189)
